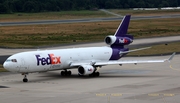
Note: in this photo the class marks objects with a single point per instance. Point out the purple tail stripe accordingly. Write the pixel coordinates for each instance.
(115, 55)
(121, 32)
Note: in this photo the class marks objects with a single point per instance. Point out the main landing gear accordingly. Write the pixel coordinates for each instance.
(94, 74)
(25, 78)
(66, 73)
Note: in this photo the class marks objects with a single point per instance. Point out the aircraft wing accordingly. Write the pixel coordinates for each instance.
(129, 62)
(120, 62)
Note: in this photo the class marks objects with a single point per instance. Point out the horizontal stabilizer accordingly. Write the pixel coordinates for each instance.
(124, 52)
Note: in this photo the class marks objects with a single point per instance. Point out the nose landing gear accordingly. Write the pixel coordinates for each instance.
(25, 78)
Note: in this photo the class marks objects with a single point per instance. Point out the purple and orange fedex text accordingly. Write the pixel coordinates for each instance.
(50, 59)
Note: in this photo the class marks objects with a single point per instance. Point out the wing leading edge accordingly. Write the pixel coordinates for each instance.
(120, 62)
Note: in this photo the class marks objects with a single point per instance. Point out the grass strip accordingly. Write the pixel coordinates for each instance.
(41, 35)
(52, 15)
(158, 50)
(2, 69)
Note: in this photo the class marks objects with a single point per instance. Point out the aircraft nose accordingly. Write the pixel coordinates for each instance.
(5, 65)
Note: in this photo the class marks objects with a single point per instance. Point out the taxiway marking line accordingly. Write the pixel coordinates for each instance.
(174, 68)
(122, 94)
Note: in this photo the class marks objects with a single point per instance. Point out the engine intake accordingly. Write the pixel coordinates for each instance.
(110, 40)
(113, 40)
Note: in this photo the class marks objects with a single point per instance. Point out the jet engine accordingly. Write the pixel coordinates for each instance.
(85, 69)
(113, 40)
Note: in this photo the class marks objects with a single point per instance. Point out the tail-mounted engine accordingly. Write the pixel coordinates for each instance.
(113, 40)
(86, 69)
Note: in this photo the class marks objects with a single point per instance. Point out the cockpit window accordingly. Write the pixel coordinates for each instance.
(11, 60)
(14, 60)
(8, 60)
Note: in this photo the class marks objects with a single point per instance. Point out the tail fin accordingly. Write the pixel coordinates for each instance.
(123, 27)
(120, 38)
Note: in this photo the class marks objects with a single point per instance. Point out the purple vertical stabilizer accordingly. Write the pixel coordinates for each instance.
(123, 27)
(120, 39)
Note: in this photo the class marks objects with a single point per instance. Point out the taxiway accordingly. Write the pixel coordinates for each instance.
(142, 83)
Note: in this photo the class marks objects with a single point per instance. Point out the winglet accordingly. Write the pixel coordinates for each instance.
(171, 57)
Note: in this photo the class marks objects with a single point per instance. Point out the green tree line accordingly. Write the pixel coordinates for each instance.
(11, 6)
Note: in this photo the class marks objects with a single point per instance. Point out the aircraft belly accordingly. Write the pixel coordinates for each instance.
(56, 67)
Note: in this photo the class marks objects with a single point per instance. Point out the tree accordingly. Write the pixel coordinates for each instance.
(100, 3)
(3, 9)
(30, 6)
(165, 4)
(6, 6)
(9, 6)
(174, 3)
(18, 5)
(141, 4)
(109, 4)
(132, 3)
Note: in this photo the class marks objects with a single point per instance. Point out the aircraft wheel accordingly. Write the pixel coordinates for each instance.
(25, 80)
(62, 73)
(91, 75)
(80, 75)
(69, 73)
(97, 74)
(66, 73)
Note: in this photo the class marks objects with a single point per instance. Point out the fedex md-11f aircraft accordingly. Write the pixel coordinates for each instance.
(86, 60)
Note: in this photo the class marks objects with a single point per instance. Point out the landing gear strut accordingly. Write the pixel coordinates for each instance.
(66, 73)
(25, 78)
(94, 74)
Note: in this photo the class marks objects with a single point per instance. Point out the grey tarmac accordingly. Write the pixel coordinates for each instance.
(142, 83)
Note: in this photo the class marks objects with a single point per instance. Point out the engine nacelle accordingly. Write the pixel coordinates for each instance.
(110, 40)
(85, 69)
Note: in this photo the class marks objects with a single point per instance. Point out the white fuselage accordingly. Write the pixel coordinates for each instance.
(47, 60)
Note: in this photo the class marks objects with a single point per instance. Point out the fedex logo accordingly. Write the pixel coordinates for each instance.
(50, 59)
(123, 41)
(90, 69)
